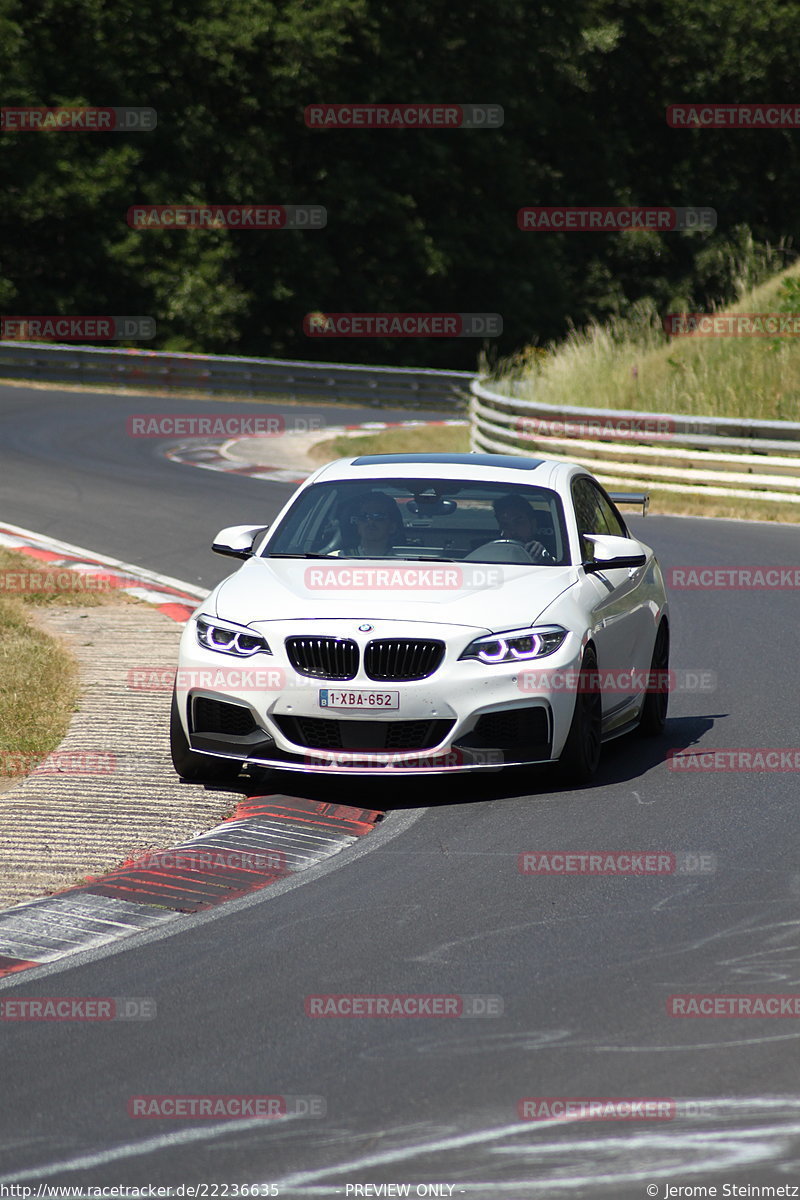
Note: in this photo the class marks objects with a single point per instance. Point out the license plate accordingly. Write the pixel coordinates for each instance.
(365, 701)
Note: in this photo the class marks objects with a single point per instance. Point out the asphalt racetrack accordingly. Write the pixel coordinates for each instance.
(434, 903)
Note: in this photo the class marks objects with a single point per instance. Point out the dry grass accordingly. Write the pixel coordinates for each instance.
(38, 690)
(38, 677)
(38, 584)
(156, 389)
(425, 439)
(631, 364)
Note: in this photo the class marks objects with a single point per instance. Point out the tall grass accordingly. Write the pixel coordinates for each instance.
(630, 363)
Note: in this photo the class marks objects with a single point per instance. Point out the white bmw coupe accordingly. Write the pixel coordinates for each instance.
(415, 613)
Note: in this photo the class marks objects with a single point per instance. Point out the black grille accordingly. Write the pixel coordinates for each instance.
(321, 733)
(323, 657)
(515, 728)
(213, 716)
(402, 658)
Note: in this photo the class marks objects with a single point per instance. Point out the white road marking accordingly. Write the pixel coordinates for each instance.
(164, 1141)
(639, 1158)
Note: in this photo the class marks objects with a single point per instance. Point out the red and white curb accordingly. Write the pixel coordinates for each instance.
(268, 838)
(173, 597)
(209, 457)
(213, 455)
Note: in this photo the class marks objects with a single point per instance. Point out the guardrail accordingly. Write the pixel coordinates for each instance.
(712, 456)
(716, 456)
(219, 374)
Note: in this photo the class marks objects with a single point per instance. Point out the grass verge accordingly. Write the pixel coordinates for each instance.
(38, 676)
(426, 439)
(630, 363)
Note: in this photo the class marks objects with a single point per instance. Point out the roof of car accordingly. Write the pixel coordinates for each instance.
(511, 461)
(506, 468)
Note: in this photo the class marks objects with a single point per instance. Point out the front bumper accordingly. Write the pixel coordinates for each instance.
(467, 715)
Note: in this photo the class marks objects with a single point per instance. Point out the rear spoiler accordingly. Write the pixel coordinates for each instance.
(631, 498)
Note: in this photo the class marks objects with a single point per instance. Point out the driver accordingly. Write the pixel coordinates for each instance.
(517, 520)
(378, 524)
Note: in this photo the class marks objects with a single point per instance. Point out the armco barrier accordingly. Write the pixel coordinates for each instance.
(716, 456)
(713, 456)
(227, 374)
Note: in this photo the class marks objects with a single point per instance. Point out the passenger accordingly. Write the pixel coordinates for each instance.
(517, 520)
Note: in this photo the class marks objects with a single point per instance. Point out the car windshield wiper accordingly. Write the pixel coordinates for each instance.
(398, 558)
(379, 557)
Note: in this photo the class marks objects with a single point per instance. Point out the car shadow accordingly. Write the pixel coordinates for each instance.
(632, 756)
(625, 759)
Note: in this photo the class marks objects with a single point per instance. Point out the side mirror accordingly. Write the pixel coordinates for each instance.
(613, 552)
(237, 540)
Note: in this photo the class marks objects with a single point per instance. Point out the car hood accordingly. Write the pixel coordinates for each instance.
(491, 596)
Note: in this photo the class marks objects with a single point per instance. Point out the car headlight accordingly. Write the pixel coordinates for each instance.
(228, 638)
(518, 645)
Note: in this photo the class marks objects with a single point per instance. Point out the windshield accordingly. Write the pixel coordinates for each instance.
(413, 519)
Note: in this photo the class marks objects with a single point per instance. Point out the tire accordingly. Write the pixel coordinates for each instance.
(654, 709)
(194, 767)
(580, 757)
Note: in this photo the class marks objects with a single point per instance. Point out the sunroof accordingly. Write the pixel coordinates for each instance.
(505, 461)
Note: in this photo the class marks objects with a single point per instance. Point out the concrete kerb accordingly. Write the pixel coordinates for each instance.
(108, 802)
(111, 792)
